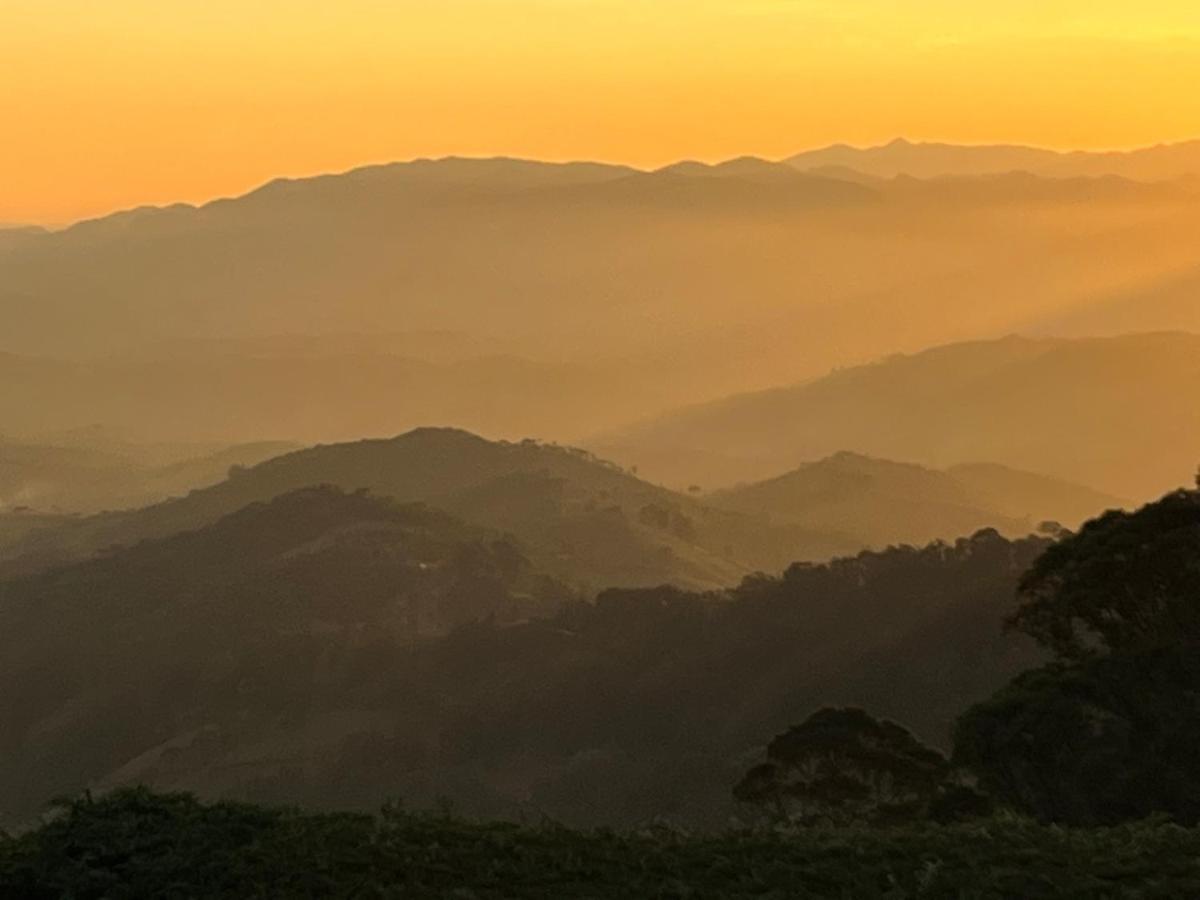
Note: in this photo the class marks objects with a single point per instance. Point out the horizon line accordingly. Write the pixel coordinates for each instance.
(60, 226)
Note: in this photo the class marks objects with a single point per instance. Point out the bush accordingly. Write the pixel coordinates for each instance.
(136, 844)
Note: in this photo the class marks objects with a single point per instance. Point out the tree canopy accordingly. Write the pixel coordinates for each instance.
(1128, 581)
(1109, 730)
(843, 765)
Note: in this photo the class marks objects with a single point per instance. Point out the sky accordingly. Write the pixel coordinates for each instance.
(108, 104)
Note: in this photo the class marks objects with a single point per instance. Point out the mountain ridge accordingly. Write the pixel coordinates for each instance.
(831, 155)
(886, 502)
(932, 159)
(1111, 412)
(582, 519)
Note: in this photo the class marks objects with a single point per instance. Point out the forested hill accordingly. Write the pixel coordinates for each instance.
(65, 476)
(120, 663)
(580, 518)
(272, 655)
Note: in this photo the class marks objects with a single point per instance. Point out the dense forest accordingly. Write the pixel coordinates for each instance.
(329, 646)
(519, 699)
(332, 647)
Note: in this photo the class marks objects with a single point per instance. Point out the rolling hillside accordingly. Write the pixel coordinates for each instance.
(198, 617)
(297, 650)
(74, 476)
(581, 519)
(1116, 414)
(881, 502)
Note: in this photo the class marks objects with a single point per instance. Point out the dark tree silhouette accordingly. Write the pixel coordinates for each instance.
(1126, 582)
(1109, 731)
(842, 765)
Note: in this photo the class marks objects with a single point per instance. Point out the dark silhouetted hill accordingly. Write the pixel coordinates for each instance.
(295, 650)
(149, 642)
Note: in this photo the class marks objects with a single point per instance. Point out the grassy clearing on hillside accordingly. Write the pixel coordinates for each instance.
(135, 844)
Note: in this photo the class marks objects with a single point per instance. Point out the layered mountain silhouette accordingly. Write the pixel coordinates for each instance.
(591, 524)
(581, 519)
(1114, 413)
(324, 389)
(579, 287)
(882, 502)
(75, 476)
(934, 160)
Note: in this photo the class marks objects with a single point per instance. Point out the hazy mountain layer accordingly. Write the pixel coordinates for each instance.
(1118, 414)
(933, 160)
(324, 389)
(76, 477)
(882, 502)
(581, 519)
(592, 524)
(611, 294)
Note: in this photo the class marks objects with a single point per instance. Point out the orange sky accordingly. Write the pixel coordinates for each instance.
(111, 103)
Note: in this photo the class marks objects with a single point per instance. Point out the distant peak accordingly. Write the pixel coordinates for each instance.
(441, 433)
(748, 161)
(849, 456)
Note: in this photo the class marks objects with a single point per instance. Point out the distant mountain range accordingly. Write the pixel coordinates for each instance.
(512, 298)
(934, 160)
(69, 477)
(1115, 413)
(619, 292)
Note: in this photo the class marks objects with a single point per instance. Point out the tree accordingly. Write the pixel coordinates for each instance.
(842, 765)
(1095, 743)
(1126, 582)
(1109, 730)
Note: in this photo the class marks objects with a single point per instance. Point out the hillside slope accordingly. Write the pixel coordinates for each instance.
(583, 520)
(296, 650)
(180, 628)
(882, 502)
(1118, 414)
(70, 477)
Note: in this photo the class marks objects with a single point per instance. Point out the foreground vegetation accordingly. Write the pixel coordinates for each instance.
(135, 844)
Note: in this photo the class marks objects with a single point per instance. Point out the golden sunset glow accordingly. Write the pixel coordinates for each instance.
(109, 105)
